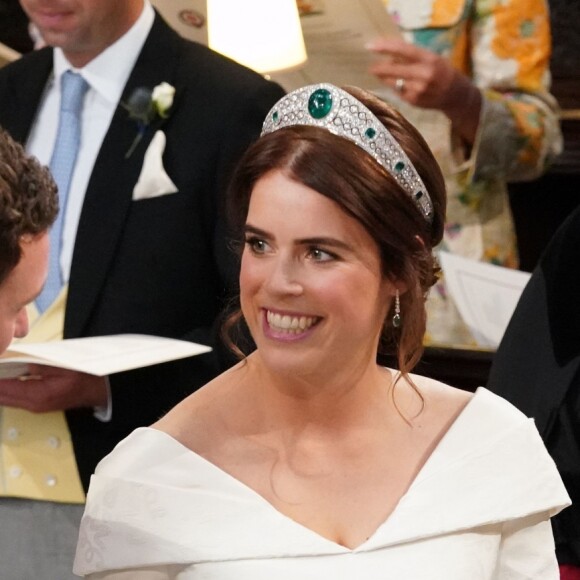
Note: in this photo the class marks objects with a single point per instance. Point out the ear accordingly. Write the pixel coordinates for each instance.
(390, 288)
(401, 286)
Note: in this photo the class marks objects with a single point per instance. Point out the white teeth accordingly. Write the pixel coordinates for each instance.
(290, 324)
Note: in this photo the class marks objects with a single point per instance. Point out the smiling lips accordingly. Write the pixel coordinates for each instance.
(290, 324)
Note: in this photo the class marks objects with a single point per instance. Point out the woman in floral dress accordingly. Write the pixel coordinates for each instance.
(473, 76)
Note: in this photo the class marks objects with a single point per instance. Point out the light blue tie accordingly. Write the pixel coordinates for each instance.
(64, 154)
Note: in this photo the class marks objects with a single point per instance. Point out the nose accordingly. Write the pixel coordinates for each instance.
(21, 326)
(285, 277)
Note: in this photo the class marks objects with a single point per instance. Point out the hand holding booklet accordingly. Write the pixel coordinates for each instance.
(97, 355)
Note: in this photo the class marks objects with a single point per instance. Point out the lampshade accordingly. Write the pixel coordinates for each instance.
(264, 35)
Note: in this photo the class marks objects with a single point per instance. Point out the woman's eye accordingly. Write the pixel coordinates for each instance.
(319, 255)
(257, 245)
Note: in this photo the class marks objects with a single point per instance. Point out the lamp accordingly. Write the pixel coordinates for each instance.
(264, 35)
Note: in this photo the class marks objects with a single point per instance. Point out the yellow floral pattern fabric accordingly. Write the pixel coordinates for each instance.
(504, 47)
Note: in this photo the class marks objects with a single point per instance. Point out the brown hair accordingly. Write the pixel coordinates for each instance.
(28, 201)
(343, 172)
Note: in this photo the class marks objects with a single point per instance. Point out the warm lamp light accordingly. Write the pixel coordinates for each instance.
(264, 35)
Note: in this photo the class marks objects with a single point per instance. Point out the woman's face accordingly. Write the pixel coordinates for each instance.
(311, 286)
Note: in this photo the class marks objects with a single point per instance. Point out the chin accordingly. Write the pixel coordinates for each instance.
(289, 362)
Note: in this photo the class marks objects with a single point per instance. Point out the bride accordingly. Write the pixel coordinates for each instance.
(307, 459)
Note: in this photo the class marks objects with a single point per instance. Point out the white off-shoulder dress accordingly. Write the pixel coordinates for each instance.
(479, 509)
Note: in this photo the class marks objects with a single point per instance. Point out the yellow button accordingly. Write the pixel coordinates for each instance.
(15, 471)
(12, 433)
(50, 480)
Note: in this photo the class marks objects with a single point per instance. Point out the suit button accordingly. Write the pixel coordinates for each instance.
(53, 442)
(12, 433)
(15, 471)
(50, 480)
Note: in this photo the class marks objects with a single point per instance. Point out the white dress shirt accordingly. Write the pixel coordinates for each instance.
(107, 75)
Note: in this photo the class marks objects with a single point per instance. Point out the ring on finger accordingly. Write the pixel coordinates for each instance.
(400, 85)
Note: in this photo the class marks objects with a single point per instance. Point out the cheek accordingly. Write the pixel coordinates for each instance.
(358, 299)
(6, 334)
(339, 294)
(251, 278)
(21, 324)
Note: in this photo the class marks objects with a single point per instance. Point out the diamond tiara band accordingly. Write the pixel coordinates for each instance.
(329, 107)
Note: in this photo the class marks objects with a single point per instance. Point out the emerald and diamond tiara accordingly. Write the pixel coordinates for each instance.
(329, 107)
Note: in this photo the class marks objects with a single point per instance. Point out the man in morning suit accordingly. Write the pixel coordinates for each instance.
(537, 368)
(142, 249)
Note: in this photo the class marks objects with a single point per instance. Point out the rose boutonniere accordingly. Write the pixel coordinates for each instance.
(146, 105)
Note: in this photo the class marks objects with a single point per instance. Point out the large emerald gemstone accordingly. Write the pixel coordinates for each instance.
(319, 103)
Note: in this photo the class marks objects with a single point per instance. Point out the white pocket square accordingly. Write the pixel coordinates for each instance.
(153, 180)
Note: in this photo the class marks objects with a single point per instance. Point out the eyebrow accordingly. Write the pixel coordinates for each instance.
(315, 241)
(250, 229)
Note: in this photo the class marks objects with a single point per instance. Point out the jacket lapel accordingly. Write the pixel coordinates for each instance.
(108, 197)
(21, 105)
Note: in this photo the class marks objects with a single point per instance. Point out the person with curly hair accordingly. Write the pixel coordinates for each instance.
(28, 207)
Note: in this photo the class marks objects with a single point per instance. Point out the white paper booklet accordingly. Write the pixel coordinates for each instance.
(98, 355)
(485, 295)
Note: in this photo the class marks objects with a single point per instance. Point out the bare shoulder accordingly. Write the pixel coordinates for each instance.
(437, 391)
(201, 419)
(441, 400)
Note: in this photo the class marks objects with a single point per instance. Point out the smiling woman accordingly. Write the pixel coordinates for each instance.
(307, 459)
(380, 199)
(302, 269)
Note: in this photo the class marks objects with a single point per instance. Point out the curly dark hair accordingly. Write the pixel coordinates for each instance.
(28, 201)
(338, 169)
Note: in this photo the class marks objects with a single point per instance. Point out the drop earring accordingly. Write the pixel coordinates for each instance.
(397, 315)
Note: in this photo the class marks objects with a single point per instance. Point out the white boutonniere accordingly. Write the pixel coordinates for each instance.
(145, 106)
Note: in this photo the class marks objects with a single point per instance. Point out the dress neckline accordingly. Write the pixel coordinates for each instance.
(261, 500)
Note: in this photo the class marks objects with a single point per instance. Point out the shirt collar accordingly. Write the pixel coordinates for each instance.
(107, 74)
